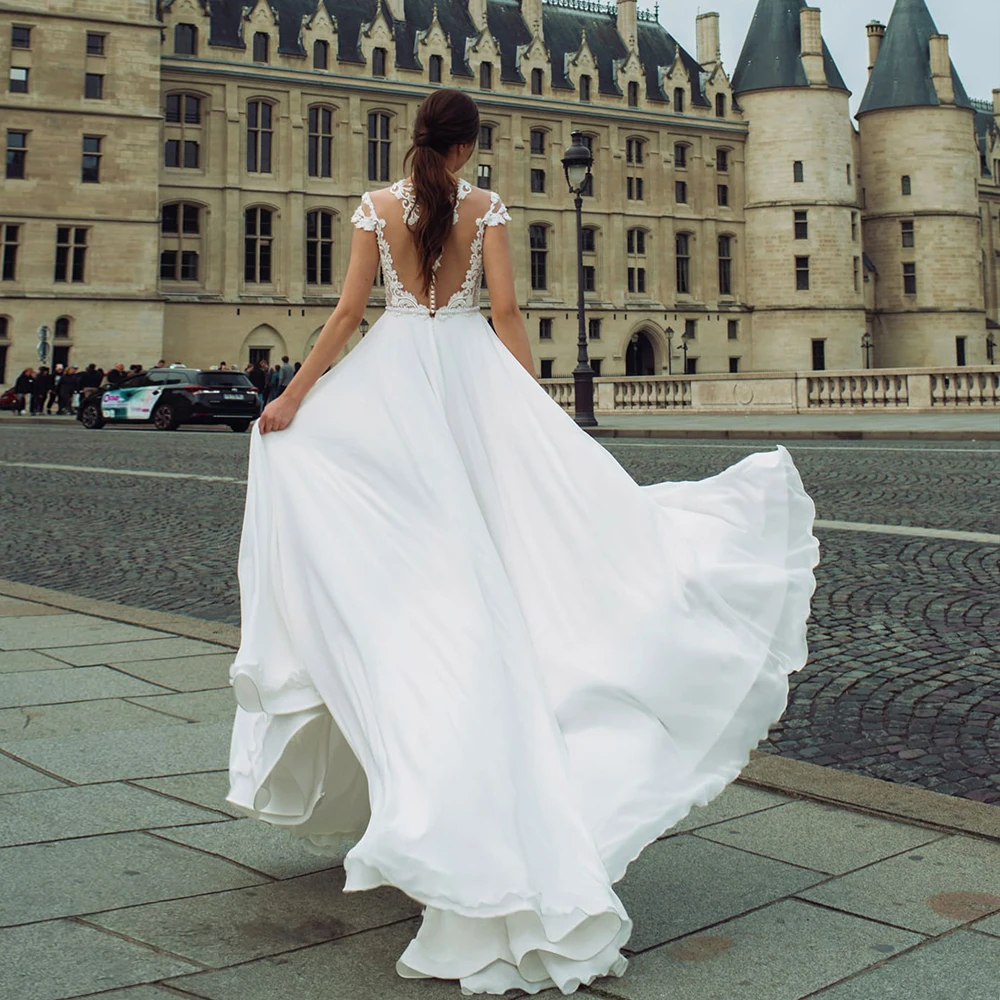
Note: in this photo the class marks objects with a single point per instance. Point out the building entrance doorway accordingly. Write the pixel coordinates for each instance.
(640, 357)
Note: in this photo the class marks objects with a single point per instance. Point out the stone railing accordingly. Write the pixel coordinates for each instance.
(896, 389)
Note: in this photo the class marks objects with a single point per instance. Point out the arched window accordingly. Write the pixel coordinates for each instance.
(486, 137)
(634, 150)
(683, 248)
(258, 244)
(486, 76)
(633, 94)
(180, 241)
(62, 328)
(679, 100)
(261, 47)
(185, 40)
(538, 239)
(435, 68)
(585, 88)
(379, 146)
(320, 141)
(538, 142)
(260, 135)
(589, 239)
(680, 156)
(536, 81)
(321, 55)
(635, 249)
(319, 247)
(378, 62)
(720, 105)
(725, 265)
(182, 131)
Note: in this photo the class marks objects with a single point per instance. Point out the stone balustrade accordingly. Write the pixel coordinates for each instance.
(915, 390)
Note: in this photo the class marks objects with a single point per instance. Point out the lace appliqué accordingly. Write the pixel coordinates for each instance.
(467, 297)
(396, 296)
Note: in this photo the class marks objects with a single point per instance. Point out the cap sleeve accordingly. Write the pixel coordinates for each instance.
(496, 214)
(365, 216)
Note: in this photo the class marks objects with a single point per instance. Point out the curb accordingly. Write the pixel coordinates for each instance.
(800, 779)
(801, 435)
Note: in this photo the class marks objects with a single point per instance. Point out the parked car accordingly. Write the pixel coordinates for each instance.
(169, 397)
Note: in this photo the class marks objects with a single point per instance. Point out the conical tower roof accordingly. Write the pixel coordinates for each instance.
(901, 77)
(772, 53)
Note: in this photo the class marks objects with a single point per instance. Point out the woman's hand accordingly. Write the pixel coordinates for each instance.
(278, 413)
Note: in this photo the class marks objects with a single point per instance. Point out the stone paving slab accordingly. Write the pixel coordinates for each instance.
(254, 844)
(87, 810)
(185, 673)
(49, 632)
(19, 660)
(139, 753)
(736, 800)
(819, 837)
(208, 789)
(16, 777)
(78, 719)
(991, 925)
(244, 924)
(196, 706)
(364, 966)
(930, 972)
(76, 877)
(682, 883)
(48, 687)
(931, 889)
(127, 652)
(781, 952)
(14, 607)
(63, 958)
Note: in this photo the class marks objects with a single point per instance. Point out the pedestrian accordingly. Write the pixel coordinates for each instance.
(22, 389)
(40, 389)
(89, 381)
(473, 650)
(273, 390)
(258, 375)
(67, 389)
(117, 375)
(53, 397)
(285, 375)
(161, 363)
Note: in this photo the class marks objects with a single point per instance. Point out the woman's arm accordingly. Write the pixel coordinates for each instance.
(504, 309)
(336, 332)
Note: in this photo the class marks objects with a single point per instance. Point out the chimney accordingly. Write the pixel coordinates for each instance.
(876, 35)
(531, 11)
(941, 69)
(708, 39)
(627, 21)
(812, 46)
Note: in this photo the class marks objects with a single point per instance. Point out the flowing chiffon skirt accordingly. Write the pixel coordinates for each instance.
(483, 661)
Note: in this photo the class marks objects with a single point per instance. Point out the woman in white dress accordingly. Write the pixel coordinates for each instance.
(475, 654)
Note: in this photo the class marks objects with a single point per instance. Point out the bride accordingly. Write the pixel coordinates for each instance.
(475, 655)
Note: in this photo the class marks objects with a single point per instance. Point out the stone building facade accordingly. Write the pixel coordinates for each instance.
(181, 174)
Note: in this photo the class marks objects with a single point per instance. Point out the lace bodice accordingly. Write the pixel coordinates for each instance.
(462, 255)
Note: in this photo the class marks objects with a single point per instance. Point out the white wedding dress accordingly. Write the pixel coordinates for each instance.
(476, 653)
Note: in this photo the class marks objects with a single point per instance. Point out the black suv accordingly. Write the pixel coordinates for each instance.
(168, 397)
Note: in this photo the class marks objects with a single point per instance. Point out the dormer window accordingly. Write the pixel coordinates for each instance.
(378, 62)
(536, 81)
(185, 40)
(633, 94)
(261, 47)
(321, 55)
(585, 88)
(434, 69)
(486, 76)
(720, 105)
(679, 100)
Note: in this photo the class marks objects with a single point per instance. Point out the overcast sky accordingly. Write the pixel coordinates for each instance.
(973, 27)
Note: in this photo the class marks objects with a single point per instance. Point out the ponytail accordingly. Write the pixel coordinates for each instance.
(446, 119)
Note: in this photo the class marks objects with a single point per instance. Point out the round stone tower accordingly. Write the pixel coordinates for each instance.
(803, 235)
(920, 170)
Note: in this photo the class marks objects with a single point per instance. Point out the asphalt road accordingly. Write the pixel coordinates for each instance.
(903, 681)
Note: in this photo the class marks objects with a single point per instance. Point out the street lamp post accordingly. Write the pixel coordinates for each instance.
(670, 350)
(991, 347)
(866, 346)
(577, 162)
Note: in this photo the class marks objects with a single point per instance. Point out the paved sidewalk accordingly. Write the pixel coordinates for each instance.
(126, 876)
(968, 425)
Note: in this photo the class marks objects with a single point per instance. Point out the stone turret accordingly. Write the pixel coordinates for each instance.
(804, 256)
(709, 49)
(921, 221)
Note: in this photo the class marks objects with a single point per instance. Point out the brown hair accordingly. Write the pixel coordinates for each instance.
(446, 119)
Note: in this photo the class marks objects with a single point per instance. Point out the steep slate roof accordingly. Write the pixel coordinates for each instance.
(986, 128)
(562, 27)
(772, 53)
(901, 77)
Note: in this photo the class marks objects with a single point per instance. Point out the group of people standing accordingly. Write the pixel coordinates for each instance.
(46, 390)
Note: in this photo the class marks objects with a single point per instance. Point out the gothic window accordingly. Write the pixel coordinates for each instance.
(536, 81)
(10, 238)
(680, 156)
(633, 94)
(379, 146)
(722, 195)
(537, 181)
(681, 192)
(378, 62)
(682, 245)
(71, 254)
(594, 332)
(260, 136)
(486, 137)
(435, 67)
(722, 160)
(538, 238)
(320, 141)
(725, 265)
(261, 47)
(585, 88)
(486, 76)
(321, 54)
(537, 142)
(798, 172)
(679, 100)
(182, 115)
(634, 149)
(258, 245)
(720, 105)
(545, 329)
(906, 185)
(319, 247)
(180, 242)
(589, 238)
(635, 249)
(185, 40)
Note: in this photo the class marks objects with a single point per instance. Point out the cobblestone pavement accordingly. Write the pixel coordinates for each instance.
(903, 681)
